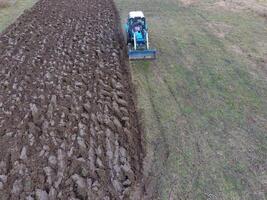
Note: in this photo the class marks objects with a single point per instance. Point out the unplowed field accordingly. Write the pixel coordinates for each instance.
(68, 123)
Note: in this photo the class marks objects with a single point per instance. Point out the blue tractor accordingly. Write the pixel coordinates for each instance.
(137, 37)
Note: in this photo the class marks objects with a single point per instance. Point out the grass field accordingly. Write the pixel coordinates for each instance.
(11, 9)
(204, 101)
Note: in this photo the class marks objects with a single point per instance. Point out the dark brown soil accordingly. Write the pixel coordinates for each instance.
(68, 124)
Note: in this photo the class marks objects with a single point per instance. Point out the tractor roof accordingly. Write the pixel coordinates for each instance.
(134, 14)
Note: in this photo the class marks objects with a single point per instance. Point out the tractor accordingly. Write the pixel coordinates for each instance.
(137, 37)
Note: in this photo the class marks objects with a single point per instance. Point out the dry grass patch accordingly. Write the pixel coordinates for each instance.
(6, 3)
(257, 6)
(188, 2)
(236, 49)
(219, 29)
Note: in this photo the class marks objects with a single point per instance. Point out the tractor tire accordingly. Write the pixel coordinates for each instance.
(128, 40)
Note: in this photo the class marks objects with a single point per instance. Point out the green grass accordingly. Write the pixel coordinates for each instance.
(204, 104)
(9, 14)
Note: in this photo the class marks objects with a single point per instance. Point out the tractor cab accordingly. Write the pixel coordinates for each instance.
(136, 21)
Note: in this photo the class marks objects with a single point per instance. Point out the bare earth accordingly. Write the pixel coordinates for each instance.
(68, 123)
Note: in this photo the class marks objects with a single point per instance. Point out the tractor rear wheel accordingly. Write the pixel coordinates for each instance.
(128, 40)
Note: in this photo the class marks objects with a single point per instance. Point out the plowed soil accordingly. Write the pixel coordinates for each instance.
(68, 124)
